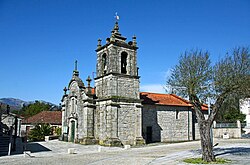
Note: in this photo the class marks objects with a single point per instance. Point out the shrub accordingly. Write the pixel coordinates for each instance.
(39, 132)
(58, 131)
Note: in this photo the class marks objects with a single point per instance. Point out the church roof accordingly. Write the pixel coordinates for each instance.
(117, 39)
(78, 80)
(76, 77)
(50, 117)
(165, 99)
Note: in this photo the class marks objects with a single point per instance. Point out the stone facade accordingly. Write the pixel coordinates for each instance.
(78, 108)
(118, 105)
(112, 113)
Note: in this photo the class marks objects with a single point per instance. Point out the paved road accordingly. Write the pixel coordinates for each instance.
(55, 153)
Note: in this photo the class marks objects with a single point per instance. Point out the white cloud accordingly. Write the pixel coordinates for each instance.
(155, 88)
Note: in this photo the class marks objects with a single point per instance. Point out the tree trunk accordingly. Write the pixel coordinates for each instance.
(206, 143)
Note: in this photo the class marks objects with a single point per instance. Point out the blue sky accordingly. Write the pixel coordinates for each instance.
(41, 39)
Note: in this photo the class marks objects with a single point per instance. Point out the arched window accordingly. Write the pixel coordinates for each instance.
(104, 63)
(124, 56)
(177, 114)
(72, 105)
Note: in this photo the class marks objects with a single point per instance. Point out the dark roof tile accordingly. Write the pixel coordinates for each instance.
(51, 117)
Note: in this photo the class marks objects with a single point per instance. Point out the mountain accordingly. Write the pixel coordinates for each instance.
(13, 102)
(17, 104)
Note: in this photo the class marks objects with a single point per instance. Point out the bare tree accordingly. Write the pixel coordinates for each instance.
(201, 80)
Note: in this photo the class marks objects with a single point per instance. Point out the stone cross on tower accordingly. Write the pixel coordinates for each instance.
(76, 65)
(75, 72)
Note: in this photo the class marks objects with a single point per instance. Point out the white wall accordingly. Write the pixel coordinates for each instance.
(245, 109)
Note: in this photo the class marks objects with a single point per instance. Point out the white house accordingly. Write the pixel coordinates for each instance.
(245, 109)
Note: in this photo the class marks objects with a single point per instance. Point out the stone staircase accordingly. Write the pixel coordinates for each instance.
(4, 145)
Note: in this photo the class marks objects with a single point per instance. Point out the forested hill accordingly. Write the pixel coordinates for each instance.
(17, 104)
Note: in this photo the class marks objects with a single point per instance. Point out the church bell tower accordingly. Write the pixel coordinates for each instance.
(118, 105)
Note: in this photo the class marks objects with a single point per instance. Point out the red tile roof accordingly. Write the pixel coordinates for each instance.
(51, 117)
(204, 107)
(165, 99)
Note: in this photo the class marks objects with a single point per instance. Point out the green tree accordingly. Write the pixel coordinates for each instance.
(34, 108)
(39, 132)
(15, 112)
(230, 111)
(195, 73)
(58, 131)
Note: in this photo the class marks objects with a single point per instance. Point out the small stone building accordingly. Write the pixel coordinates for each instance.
(114, 113)
(168, 118)
(8, 122)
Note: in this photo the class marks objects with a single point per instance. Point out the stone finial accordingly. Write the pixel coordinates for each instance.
(76, 65)
(89, 87)
(89, 81)
(65, 90)
(116, 29)
(107, 40)
(99, 43)
(134, 40)
(75, 72)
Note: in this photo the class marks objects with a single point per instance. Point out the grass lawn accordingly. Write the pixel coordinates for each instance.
(200, 161)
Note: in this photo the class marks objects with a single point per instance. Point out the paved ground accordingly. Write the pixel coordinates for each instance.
(55, 152)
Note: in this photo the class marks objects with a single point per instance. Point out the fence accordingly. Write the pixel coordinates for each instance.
(226, 125)
(227, 130)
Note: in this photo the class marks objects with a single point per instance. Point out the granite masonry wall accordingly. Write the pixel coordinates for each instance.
(169, 123)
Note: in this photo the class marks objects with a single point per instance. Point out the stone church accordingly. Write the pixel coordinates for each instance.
(114, 112)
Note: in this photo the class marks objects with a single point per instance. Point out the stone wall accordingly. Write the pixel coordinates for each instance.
(227, 130)
(117, 121)
(117, 86)
(230, 132)
(169, 123)
(127, 123)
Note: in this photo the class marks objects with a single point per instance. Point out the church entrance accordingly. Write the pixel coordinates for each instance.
(72, 135)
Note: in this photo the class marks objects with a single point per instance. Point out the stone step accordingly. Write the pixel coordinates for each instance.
(4, 150)
(4, 145)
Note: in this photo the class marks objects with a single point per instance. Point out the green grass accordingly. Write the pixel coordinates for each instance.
(200, 161)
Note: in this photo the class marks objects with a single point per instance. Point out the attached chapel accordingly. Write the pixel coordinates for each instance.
(114, 112)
